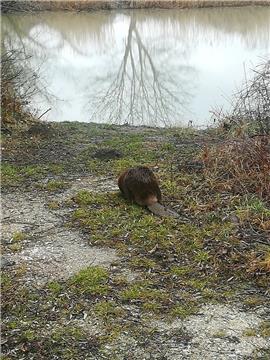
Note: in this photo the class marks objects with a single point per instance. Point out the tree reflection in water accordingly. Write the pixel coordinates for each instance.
(141, 67)
(139, 94)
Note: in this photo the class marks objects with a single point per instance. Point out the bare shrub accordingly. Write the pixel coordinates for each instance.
(19, 84)
(241, 166)
(250, 105)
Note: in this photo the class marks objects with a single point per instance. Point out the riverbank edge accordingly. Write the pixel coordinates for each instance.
(60, 178)
(88, 5)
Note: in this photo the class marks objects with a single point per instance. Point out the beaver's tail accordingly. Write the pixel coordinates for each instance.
(161, 210)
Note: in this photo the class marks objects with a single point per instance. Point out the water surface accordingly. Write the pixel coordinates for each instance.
(152, 67)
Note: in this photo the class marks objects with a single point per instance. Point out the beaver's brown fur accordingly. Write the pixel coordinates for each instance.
(140, 185)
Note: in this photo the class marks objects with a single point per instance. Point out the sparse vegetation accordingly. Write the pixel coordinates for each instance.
(264, 329)
(241, 165)
(18, 236)
(13, 176)
(250, 105)
(179, 262)
(18, 86)
(183, 311)
(54, 185)
(250, 332)
(86, 5)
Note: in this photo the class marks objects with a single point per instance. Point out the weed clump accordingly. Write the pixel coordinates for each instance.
(140, 292)
(241, 165)
(92, 281)
(184, 310)
(108, 309)
(54, 185)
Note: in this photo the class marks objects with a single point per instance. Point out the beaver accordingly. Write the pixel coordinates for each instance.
(140, 185)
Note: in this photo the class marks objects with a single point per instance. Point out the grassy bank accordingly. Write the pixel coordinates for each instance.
(201, 173)
(87, 5)
(217, 252)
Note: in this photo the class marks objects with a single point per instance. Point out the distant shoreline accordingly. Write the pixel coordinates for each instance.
(89, 5)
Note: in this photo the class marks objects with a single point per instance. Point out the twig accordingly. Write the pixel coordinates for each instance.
(45, 112)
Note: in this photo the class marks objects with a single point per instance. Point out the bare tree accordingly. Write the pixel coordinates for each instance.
(138, 94)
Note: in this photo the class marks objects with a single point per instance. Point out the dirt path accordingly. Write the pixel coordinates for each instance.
(50, 250)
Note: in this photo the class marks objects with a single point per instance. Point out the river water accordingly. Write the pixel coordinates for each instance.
(150, 67)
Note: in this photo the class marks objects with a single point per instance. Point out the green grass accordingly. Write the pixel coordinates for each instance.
(264, 329)
(15, 175)
(10, 175)
(54, 185)
(184, 310)
(249, 332)
(18, 236)
(55, 287)
(108, 310)
(92, 281)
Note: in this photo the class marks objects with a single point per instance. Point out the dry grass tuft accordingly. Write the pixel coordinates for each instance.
(241, 166)
(261, 264)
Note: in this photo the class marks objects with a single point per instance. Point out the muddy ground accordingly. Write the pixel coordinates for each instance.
(87, 276)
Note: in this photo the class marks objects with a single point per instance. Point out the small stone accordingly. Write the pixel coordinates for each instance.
(5, 263)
